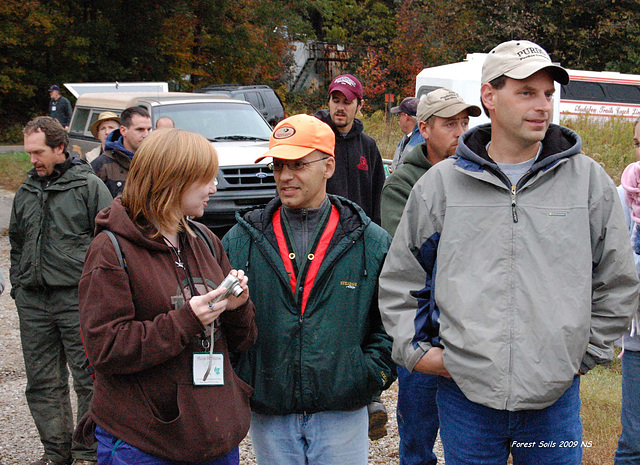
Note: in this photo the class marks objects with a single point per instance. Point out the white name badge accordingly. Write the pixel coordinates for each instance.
(200, 366)
(53, 108)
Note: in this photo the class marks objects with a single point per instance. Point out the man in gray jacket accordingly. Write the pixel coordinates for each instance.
(51, 227)
(442, 118)
(534, 280)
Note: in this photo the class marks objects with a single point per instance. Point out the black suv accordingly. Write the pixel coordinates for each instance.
(262, 97)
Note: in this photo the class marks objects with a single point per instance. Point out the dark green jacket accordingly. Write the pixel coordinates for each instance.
(398, 186)
(52, 225)
(337, 355)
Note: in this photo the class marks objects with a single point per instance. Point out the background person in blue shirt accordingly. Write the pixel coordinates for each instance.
(406, 111)
(59, 107)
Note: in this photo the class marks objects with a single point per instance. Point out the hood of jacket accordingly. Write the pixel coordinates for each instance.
(114, 142)
(418, 157)
(559, 143)
(356, 129)
(117, 220)
(62, 171)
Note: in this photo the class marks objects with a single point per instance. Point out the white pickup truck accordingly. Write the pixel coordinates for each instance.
(235, 128)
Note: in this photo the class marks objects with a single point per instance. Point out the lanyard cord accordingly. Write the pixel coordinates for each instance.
(184, 264)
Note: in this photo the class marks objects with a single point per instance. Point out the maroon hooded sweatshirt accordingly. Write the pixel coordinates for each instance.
(140, 335)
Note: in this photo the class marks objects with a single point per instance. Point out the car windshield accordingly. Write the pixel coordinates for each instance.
(217, 120)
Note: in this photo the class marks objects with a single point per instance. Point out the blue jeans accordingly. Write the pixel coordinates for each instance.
(628, 451)
(113, 451)
(323, 438)
(476, 435)
(417, 415)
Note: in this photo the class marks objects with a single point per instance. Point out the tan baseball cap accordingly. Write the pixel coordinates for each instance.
(297, 136)
(444, 103)
(519, 59)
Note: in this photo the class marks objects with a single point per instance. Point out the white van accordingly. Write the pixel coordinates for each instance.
(601, 94)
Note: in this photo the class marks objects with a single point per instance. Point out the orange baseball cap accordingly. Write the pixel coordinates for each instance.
(297, 136)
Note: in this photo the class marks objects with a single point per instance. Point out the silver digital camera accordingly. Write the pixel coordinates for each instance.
(232, 284)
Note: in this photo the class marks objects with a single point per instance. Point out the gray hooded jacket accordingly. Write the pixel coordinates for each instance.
(534, 282)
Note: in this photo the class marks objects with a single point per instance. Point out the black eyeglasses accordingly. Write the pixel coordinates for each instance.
(296, 165)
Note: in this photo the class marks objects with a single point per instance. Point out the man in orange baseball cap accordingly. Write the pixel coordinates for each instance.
(313, 261)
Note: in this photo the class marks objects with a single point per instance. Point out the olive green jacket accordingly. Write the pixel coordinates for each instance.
(52, 224)
(398, 186)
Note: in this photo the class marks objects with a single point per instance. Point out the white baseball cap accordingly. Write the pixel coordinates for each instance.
(519, 59)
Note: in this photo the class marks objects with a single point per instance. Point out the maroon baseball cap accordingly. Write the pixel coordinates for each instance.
(348, 85)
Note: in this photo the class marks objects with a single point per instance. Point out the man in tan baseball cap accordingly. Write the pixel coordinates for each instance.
(509, 275)
(442, 118)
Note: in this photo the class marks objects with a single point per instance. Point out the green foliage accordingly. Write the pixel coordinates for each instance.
(188, 43)
(384, 128)
(359, 23)
(590, 34)
(306, 101)
(428, 34)
(199, 42)
(37, 48)
(608, 141)
(12, 134)
(13, 169)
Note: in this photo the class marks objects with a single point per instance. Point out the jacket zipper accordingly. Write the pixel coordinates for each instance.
(301, 321)
(514, 213)
(44, 224)
(300, 369)
(512, 301)
(525, 177)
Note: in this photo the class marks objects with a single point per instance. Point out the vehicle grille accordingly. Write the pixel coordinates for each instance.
(247, 177)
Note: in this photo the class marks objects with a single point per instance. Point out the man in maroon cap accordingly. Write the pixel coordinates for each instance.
(359, 174)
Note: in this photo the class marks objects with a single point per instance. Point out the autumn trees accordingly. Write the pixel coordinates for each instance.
(199, 42)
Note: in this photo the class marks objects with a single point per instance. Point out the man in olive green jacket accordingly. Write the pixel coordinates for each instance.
(51, 227)
(442, 117)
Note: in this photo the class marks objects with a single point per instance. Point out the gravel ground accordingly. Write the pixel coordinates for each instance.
(19, 442)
